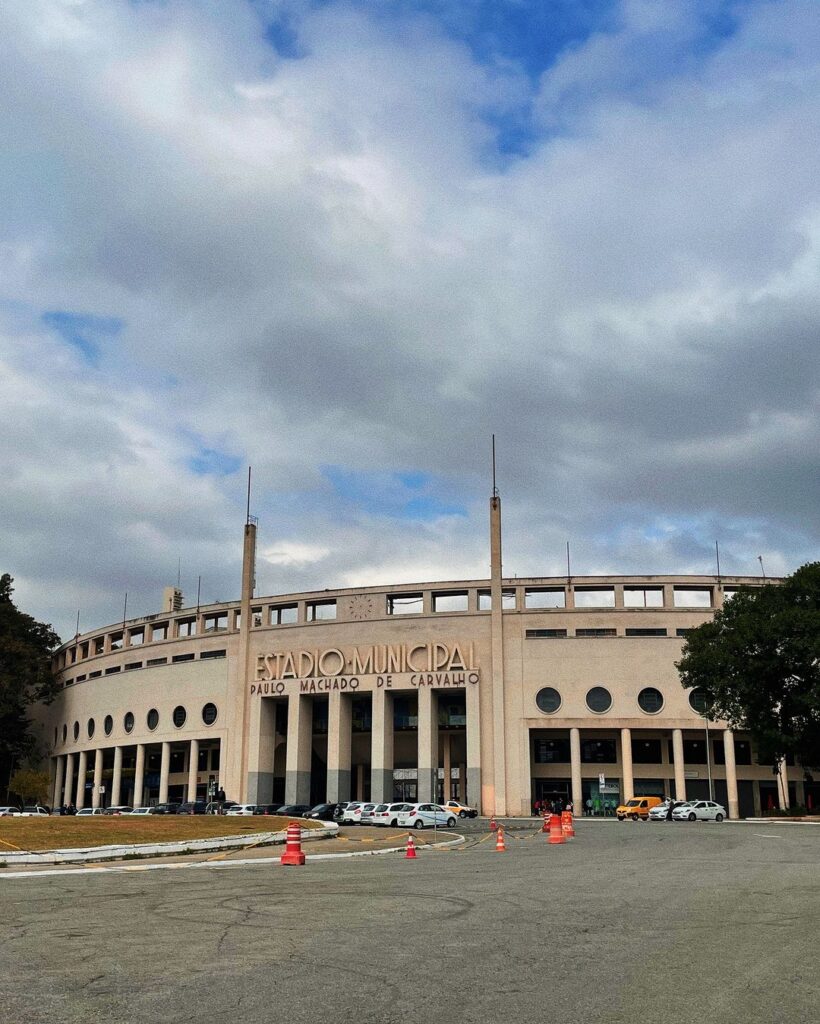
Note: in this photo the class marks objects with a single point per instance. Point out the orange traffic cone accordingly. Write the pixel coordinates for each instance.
(556, 832)
(293, 846)
(493, 824)
(410, 854)
(499, 840)
(566, 824)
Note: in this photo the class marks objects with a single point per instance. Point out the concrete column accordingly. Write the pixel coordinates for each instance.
(427, 743)
(82, 766)
(448, 766)
(783, 785)
(68, 794)
(575, 768)
(677, 756)
(300, 740)
(164, 768)
(381, 749)
(359, 782)
(261, 750)
(499, 755)
(339, 740)
(96, 796)
(470, 774)
(731, 774)
(116, 781)
(193, 765)
(626, 764)
(139, 775)
(59, 777)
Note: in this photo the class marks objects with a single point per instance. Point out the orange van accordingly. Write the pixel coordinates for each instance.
(637, 807)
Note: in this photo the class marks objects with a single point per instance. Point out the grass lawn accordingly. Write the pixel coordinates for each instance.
(71, 832)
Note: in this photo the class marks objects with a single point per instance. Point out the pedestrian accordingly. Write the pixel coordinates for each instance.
(569, 806)
(537, 808)
(589, 806)
(669, 809)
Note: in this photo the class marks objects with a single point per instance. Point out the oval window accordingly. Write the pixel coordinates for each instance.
(108, 725)
(152, 718)
(76, 730)
(599, 699)
(548, 700)
(650, 700)
(209, 714)
(91, 727)
(179, 716)
(697, 701)
(65, 733)
(128, 721)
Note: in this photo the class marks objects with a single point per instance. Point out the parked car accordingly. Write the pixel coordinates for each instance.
(192, 807)
(323, 812)
(426, 816)
(241, 811)
(388, 814)
(341, 807)
(139, 811)
(637, 808)
(352, 814)
(460, 810)
(168, 808)
(91, 812)
(366, 816)
(661, 812)
(293, 810)
(219, 806)
(9, 812)
(699, 810)
(264, 809)
(119, 809)
(35, 811)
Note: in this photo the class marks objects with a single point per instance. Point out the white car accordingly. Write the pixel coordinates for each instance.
(352, 814)
(34, 811)
(660, 813)
(699, 810)
(388, 814)
(87, 812)
(366, 816)
(241, 811)
(9, 812)
(426, 816)
(140, 811)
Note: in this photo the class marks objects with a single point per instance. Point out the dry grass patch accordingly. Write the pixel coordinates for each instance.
(71, 832)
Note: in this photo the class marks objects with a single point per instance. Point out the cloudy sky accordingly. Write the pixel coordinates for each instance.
(345, 241)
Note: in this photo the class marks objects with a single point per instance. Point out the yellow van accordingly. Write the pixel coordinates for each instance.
(638, 807)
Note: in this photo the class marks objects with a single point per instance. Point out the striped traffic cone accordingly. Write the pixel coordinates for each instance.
(499, 840)
(410, 853)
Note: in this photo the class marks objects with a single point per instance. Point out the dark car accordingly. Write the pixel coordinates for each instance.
(192, 807)
(339, 810)
(293, 810)
(170, 808)
(267, 808)
(219, 806)
(323, 812)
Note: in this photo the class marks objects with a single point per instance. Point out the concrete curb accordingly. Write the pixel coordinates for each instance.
(119, 852)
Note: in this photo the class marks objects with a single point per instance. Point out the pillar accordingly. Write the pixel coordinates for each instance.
(575, 768)
(300, 741)
(82, 766)
(261, 751)
(339, 739)
(783, 785)
(381, 750)
(497, 660)
(448, 768)
(96, 796)
(359, 782)
(59, 778)
(470, 774)
(68, 795)
(626, 765)
(116, 781)
(164, 768)
(193, 767)
(139, 775)
(677, 757)
(427, 744)
(731, 774)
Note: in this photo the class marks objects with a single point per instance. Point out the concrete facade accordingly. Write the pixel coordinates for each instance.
(500, 692)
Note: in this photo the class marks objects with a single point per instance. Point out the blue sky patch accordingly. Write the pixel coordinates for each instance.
(401, 495)
(212, 462)
(83, 331)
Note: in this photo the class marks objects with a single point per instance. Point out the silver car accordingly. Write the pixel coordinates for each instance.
(699, 810)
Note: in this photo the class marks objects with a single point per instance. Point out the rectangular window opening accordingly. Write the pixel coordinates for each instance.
(156, 661)
(644, 631)
(136, 637)
(405, 604)
(159, 631)
(321, 611)
(545, 634)
(450, 602)
(212, 654)
(596, 632)
(216, 623)
(182, 657)
(693, 597)
(594, 597)
(283, 615)
(550, 597)
(643, 597)
(485, 601)
(186, 627)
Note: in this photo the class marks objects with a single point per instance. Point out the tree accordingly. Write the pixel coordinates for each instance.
(757, 666)
(25, 676)
(31, 785)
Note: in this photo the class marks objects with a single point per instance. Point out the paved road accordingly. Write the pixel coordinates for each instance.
(633, 923)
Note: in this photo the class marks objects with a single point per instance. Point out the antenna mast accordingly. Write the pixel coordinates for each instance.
(495, 489)
(248, 507)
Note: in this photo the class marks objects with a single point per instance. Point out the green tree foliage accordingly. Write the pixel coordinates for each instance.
(757, 665)
(31, 785)
(25, 676)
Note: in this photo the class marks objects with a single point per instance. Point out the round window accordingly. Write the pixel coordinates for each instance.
(650, 700)
(91, 727)
(548, 700)
(128, 721)
(697, 701)
(152, 718)
(599, 699)
(209, 714)
(108, 725)
(65, 733)
(180, 714)
(76, 730)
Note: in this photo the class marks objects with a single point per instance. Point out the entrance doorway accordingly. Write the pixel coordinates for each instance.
(552, 792)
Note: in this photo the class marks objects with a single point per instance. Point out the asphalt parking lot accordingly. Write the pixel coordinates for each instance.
(627, 923)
